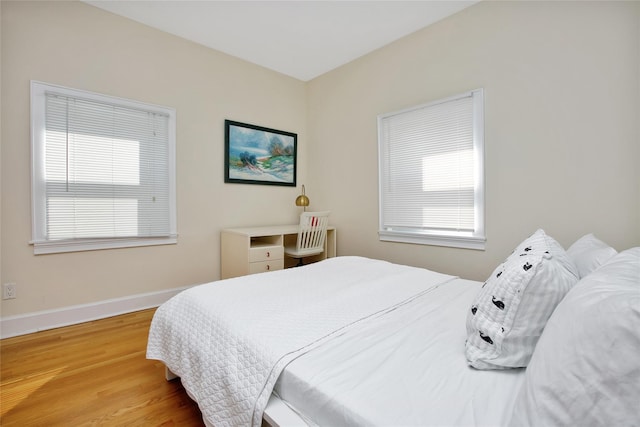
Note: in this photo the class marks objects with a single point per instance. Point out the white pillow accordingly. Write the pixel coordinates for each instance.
(585, 370)
(513, 306)
(588, 253)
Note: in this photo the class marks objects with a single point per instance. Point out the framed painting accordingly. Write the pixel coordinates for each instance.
(259, 155)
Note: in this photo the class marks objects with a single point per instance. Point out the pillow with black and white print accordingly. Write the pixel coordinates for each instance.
(510, 311)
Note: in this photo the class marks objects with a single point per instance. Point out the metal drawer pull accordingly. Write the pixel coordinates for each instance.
(268, 254)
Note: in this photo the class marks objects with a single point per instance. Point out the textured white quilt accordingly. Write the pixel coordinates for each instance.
(229, 340)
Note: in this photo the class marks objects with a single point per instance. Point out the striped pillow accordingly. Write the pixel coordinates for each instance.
(510, 311)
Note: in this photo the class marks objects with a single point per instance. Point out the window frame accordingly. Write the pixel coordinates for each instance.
(38, 180)
(456, 239)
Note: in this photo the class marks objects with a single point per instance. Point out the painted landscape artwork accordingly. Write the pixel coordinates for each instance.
(258, 155)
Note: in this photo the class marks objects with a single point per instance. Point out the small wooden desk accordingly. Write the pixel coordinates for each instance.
(250, 250)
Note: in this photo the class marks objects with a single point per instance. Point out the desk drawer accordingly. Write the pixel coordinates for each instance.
(266, 253)
(263, 266)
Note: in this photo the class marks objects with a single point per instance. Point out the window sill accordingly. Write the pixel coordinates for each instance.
(40, 248)
(465, 242)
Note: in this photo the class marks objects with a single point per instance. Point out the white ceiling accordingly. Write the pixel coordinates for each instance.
(302, 39)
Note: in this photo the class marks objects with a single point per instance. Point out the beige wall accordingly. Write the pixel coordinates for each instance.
(0, 154)
(562, 114)
(76, 45)
(562, 97)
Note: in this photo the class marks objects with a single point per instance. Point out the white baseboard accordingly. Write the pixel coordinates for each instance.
(12, 326)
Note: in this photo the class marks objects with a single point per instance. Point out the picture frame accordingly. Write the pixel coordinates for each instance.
(259, 155)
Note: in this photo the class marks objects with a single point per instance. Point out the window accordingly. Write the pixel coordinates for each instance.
(431, 173)
(103, 171)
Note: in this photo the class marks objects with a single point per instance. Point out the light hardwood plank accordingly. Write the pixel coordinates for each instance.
(93, 374)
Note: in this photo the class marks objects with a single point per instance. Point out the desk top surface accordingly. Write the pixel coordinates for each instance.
(267, 230)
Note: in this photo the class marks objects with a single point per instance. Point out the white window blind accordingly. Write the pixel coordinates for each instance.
(431, 173)
(104, 173)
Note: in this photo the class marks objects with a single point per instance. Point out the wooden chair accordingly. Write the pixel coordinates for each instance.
(312, 234)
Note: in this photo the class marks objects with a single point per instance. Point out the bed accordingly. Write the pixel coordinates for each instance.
(357, 341)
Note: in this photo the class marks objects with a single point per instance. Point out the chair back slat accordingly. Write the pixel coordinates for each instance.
(312, 232)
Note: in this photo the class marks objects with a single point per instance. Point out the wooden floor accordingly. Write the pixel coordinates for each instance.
(93, 374)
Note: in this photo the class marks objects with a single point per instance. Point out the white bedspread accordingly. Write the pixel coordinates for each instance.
(407, 368)
(229, 340)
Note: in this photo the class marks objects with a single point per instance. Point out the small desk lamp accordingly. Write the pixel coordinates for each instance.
(302, 200)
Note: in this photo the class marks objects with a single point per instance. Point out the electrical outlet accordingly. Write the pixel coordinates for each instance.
(9, 291)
